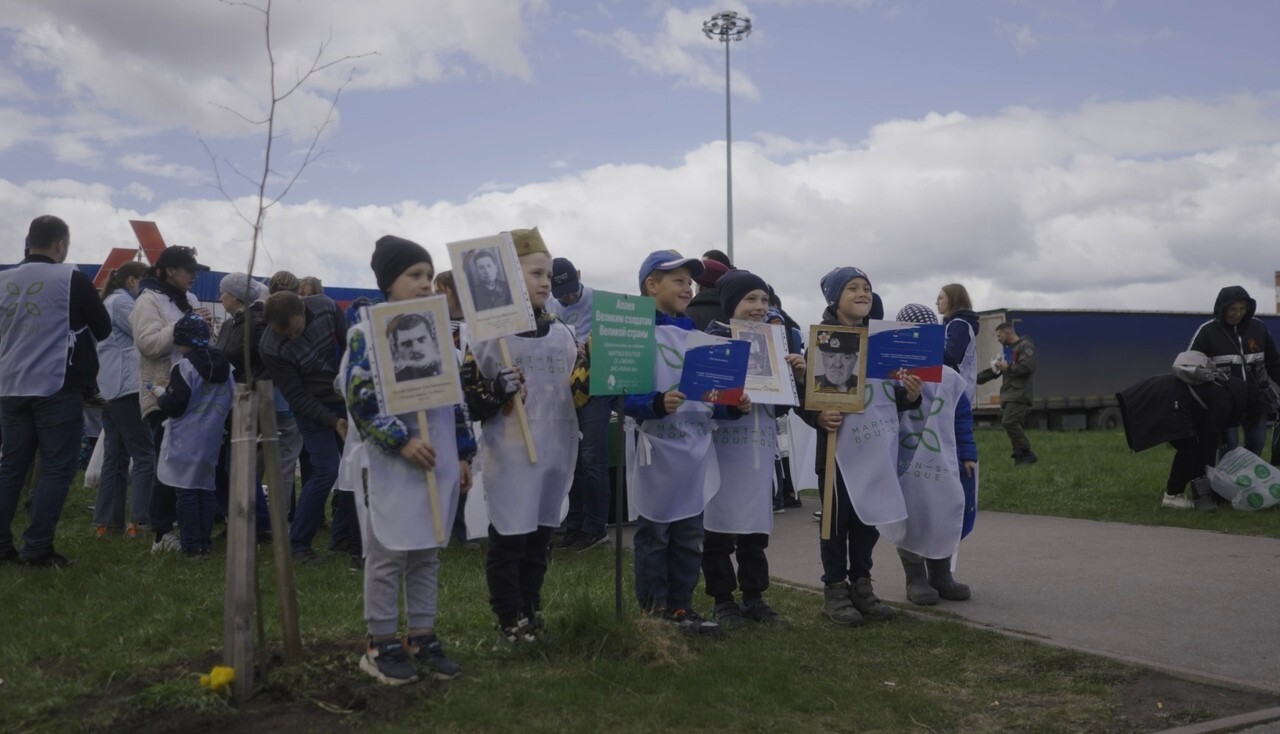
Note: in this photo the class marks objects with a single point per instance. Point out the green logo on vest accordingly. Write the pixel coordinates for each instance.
(1254, 500)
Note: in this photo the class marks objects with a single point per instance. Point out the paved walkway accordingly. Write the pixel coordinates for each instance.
(1199, 604)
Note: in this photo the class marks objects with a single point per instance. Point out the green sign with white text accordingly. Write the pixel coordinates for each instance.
(622, 344)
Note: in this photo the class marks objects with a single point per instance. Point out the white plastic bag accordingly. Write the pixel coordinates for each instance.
(1245, 479)
(93, 474)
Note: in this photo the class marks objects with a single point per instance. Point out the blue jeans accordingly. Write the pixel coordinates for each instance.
(1255, 436)
(325, 449)
(668, 558)
(195, 519)
(589, 497)
(53, 426)
(125, 437)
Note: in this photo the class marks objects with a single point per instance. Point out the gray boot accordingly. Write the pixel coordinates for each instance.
(1202, 492)
(918, 589)
(941, 579)
(868, 604)
(838, 605)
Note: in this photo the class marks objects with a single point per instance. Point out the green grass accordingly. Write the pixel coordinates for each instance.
(1093, 475)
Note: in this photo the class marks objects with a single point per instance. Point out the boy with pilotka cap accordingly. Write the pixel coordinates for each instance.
(525, 500)
(673, 454)
(848, 597)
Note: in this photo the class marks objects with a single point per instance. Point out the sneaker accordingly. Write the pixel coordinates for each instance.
(168, 543)
(758, 610)
(1176, 502)
(728, 615)
(692, 623)
(355, 564)
(132, 531)
(513, 635)
(837, 604)
(306, 557)
(779, 510)
(583, 541)
(817, 515)
(868, 604)
(48, 559)
(790, 502)
(563, 538)
(1025, 459)
(101, 531)
(427, 650)
(387, 661)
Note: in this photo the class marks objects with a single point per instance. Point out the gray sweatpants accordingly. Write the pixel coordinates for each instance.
(383, 571)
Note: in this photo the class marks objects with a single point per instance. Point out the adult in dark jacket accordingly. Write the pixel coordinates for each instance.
(960, 351)
(1241, 347)
(705, 307)
(1015, 389)
(50, 322)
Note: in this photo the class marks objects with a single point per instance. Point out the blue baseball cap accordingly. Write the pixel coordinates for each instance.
(668, 260)
(564, 278)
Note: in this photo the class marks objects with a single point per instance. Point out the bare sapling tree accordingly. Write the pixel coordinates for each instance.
(269, 185)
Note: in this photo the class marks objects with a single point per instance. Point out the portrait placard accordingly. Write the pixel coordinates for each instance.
(412, 355)
(769, 377)
(491, 287)
(837, 368)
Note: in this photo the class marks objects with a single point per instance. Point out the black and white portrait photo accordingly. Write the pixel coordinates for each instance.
(415, 353)
(488, 279)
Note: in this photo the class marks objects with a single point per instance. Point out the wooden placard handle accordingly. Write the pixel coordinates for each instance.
(521, 415)
(433, 489)
(829, 486)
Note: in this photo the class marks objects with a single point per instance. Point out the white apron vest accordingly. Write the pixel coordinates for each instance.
(745, 451)
(929, 473)
(670, 461)
(35, 337)
(867, 454)
(394, 505)
(189, 452)
(523, 496)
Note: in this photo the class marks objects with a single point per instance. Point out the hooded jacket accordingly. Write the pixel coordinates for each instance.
(1245, 351)
(958, 337)
(704, 308)
(231, 341)
(210, 364)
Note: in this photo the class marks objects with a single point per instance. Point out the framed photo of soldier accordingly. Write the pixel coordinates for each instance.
(837, 368)
(412, 355)
(491, 287)
(769, 378)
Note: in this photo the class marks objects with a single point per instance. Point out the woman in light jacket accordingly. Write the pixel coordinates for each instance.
(124, 435)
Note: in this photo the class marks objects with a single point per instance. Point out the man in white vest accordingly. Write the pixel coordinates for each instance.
(51, 320)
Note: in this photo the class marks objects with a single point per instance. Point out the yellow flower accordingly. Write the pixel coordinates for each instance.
(219, 678)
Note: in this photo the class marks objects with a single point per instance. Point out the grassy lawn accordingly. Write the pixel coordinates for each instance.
(1093, 475)
(119, 639)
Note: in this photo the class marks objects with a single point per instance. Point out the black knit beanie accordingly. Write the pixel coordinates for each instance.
(392, 256)
(734, 286)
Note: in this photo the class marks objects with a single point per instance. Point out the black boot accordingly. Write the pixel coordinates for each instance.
(941, 579)
(918, 589)
(1202, 493)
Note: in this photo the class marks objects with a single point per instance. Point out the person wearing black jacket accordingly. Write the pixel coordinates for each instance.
(44, 305)
(1241, 347)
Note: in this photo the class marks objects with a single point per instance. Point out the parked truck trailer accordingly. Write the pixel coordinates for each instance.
(1083, 358)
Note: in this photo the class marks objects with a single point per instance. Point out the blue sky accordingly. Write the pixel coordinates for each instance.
(1079, 154)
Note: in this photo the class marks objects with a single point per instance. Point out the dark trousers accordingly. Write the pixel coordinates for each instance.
(325, 449)
(1013, 418)
(1201, 450)
(459, 530)
(718, 553)
(514, 569)
(164, 503)
(668, 556)
(590, 494)
(195, 509)
(51, 427)
(784, 488)
(847, 554)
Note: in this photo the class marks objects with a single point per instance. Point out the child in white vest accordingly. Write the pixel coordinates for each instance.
(739, 515)
(394, 508)
(669, 478)
(525, 500)
(197, 402)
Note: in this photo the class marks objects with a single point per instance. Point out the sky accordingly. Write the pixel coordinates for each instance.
(1091, 154)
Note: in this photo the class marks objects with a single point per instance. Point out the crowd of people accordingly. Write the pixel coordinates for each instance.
(145, 350)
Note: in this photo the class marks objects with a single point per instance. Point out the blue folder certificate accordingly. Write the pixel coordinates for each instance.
(896, 348)
(715, 368)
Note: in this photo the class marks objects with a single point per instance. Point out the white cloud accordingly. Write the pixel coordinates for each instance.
(150, 163)
(679, 49)
(178, 65)
(140, 192)
(1150, 205)
(1018, 35)
(17, 127)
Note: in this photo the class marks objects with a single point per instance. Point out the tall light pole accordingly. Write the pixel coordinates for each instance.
(725, 27)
